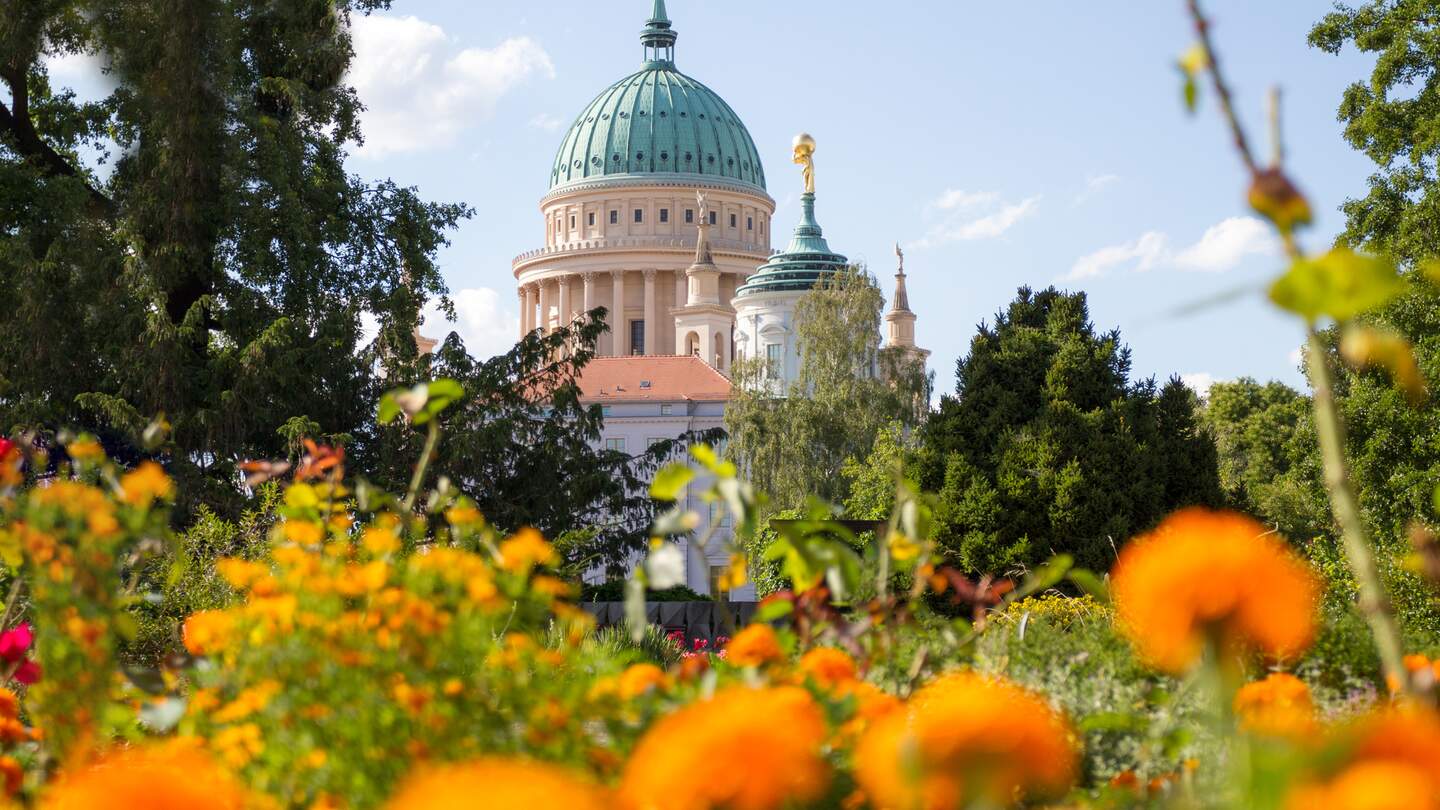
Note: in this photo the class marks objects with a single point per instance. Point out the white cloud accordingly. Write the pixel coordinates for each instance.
(1200, 382)
(546, 122)
(1143, 253)
(1094, 184)
(420, 92)
(486, 327)
(1221, 248)
(954, 198)
(973, 215)
(1224, 245)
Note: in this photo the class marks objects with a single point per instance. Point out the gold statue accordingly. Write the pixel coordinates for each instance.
(805, 156)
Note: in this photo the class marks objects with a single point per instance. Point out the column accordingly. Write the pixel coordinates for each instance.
(544, 307)
(532, 300)
(619, 334)
(652, 323)
(587, 298)
(566, 316)
(520, 291)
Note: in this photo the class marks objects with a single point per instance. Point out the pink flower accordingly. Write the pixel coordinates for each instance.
(701, 644)
(16, 641)
(28, 673)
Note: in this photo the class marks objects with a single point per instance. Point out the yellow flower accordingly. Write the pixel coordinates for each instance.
(769, 739)
(1278, 706)
(964, 739)
(736, 574)
(237, 745)
(464, 514)
(304, 532)
(639, 679)
(208, 631)
(902, 548)
(85, 450)
(828, 666)
(754, 646)
(146, 484)
(380, 541)
(241, 574)
(498, 783)
(248, 702)
(525, 550)
(168, 778)
(1204, 574)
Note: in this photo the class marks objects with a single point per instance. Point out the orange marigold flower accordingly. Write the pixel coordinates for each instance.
(1371, 786)
(828, 666)
(207, 632)
(639, 679)
(304, 532)
(14, 774)
(1278, 706)
(525, 550)
(967, 738)
(167, 778)
(1204, 573)
(495, 782)
(146, 484)
(9, 704)
(769, 740)
(754, 646)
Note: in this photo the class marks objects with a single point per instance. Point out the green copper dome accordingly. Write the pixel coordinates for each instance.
(658, 122)
(802, 264)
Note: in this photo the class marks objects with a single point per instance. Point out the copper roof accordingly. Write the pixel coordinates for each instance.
(652, 378)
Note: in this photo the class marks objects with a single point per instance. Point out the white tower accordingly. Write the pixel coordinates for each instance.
(703, 325)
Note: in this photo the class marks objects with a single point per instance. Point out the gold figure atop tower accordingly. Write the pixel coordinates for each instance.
(805, 156)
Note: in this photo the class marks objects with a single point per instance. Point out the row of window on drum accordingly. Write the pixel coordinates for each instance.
(664, 218)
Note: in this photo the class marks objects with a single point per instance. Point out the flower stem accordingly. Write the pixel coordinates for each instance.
(432, 438)
(1374, 603)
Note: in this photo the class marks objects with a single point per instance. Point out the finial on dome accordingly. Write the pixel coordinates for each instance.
(805, 156)
(901, 302)
(658, 37)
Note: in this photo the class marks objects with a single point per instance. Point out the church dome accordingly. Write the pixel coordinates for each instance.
(658, 124)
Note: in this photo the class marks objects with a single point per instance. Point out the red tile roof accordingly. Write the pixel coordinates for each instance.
(652, 378)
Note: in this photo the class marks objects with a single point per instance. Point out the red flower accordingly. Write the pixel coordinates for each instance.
(28, 673)
(5, 447)
(701, 644)
(16, 641)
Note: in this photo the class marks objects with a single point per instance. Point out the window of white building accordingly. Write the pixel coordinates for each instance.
(667, 409)
(773, 358)
(618, 445)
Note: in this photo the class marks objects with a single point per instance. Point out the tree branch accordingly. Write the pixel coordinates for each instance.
(16, 124)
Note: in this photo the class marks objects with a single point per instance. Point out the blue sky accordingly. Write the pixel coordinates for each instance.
(1002, 143)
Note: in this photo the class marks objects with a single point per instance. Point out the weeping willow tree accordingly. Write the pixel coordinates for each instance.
(793, 443)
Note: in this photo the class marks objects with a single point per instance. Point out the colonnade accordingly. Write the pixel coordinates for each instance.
(556, 301)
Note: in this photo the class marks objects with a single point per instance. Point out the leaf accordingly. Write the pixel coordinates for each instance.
(670, 481)
(1368, 347)
(771, 609)
(1045, 576)
(1273, 195)
(1340, 285)
(1113, 721)
(389, 408)
(635, 609)
(162, 715)
(1088, 582)
(677, 520)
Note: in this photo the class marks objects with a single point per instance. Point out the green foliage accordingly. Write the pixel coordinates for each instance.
(1046, 447)
(794, 444)
(1131, 719)
(219, 271)
(1269, 456)
(871, 480)
(614, 591)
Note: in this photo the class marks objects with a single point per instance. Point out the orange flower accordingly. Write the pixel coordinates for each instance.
(9, 704)
(1371, 786)
(146, 484)
(169, 778)
(1278, 706)
(966, 738)
(754, 646)
(496, 782)
(1212, 574)
(769, 740)
(828, 666)
(207, 632)
(525, 550)
(13, 773)
(639, 679)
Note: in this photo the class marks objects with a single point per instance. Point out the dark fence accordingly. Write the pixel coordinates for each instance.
(697, 620)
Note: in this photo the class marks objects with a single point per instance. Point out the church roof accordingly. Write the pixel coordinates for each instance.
(652, 378)
(658, 123)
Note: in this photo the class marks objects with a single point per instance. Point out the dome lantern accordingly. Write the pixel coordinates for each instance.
(658, 38)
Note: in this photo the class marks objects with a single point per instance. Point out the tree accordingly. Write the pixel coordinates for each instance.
(1392, 117)
(219, 273)
(523, 446)
(1269, 456)
(793, 444)
(1046, 447)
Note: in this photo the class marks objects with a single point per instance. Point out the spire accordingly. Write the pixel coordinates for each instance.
(901, 303)
(658, 37)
